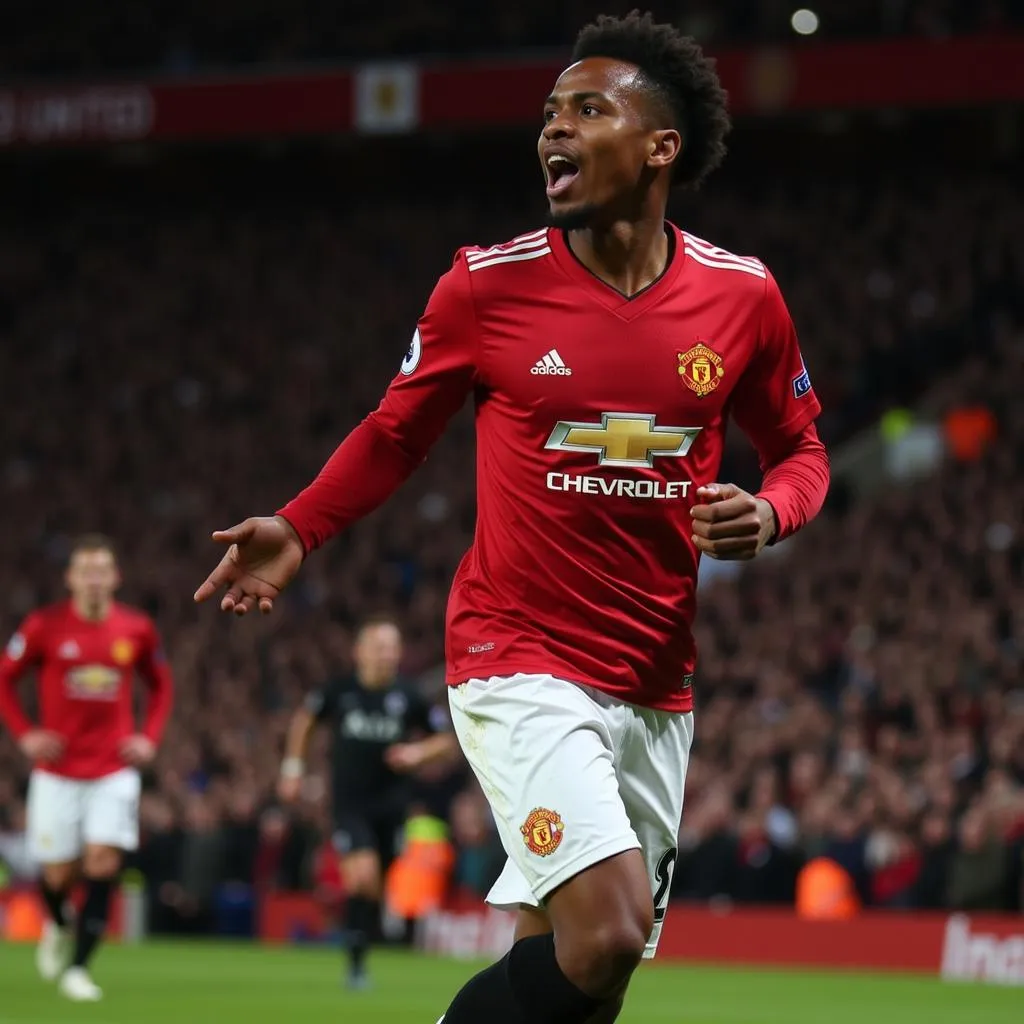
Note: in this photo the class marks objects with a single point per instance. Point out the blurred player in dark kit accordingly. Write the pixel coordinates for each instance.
(381, 730)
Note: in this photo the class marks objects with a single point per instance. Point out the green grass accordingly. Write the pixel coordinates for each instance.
(221, 984)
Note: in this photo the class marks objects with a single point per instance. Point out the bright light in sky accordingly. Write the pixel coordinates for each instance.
(804, 22)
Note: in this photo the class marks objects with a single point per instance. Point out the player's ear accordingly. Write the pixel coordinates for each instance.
(665, 147)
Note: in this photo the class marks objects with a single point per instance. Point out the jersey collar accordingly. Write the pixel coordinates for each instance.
(627, 308)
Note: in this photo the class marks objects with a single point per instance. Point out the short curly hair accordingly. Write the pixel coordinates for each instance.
(680, 78)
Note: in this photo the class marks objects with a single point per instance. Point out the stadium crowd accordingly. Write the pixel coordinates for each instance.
(168, 36)
(859, 691)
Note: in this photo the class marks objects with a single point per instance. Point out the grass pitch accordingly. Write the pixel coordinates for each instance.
(207, 983)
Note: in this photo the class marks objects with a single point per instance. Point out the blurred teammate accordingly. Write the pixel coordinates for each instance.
(605, 355)
(373, 717)
(83, 797)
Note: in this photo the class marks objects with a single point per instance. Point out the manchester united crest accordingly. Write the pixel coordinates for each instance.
(542, 831)
(701, 369)
(122, 651)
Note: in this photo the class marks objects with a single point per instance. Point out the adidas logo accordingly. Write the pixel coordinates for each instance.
(551, 364)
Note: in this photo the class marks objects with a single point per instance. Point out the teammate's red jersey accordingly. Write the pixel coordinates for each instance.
(86, 671)
(597, 417)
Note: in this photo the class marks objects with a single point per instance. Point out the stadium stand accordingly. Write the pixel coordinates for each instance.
(173, 368)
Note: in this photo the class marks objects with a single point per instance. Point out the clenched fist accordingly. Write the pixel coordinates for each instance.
(730, 524)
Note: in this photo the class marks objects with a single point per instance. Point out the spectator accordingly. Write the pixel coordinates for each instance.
(200, 868)
(930, 888)
(479, 854)
(159, 860)
(858, 689)
(979, 868)
(241, 836)
(894, 862)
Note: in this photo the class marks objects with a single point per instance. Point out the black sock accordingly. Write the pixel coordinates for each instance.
(92, 922)
(526, 987)
(360, 923)
(54, 900)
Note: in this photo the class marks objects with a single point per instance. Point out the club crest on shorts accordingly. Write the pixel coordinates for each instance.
(701, 369)
(542, 831)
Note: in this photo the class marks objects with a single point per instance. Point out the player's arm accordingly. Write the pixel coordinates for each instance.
(440, 745)
(438, 372)
(152, 666)
(775, 406)
(316, 707)
(24, 651)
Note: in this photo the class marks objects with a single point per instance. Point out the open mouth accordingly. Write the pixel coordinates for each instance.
(562, 172)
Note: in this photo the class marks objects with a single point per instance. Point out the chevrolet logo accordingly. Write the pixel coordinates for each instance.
(622, 439)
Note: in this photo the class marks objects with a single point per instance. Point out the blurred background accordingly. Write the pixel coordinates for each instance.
(220, 223)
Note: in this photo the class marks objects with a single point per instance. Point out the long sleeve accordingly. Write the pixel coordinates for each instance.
(775, 406)
(796, 485)
(156, 673)
(362, 473)
(20, 654)
(438, 372)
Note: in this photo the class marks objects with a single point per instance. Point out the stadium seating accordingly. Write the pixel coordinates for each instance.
(172, 370)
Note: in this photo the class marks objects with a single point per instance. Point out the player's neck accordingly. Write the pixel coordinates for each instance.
(92, 612)
(372, 682)
(628, 255)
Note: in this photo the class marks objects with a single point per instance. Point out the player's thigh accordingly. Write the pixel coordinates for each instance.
(111, 816)
(652, 776)
(389, 832)
(355, 841)
(543, 752)
(54, 818)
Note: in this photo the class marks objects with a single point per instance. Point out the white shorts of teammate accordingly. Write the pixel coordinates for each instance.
(573, 777)
(66, 815)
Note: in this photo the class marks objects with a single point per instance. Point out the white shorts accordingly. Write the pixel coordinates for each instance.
(64, 815)
(573, 777)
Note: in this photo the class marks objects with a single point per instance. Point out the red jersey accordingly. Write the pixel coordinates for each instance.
(86, 670)
(597, 418)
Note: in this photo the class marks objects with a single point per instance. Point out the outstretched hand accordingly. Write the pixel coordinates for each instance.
(730, 524)
(404, 757)
(263, 555)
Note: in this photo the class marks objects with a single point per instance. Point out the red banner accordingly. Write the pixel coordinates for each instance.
(987, 948)
(959, 947)
(227, 109)
(912, 73)
(983, 948)
(293, 917)
(407, 97)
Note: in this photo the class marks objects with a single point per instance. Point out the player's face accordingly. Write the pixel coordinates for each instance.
(93, 577)
(598, 141)
(378, 653)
